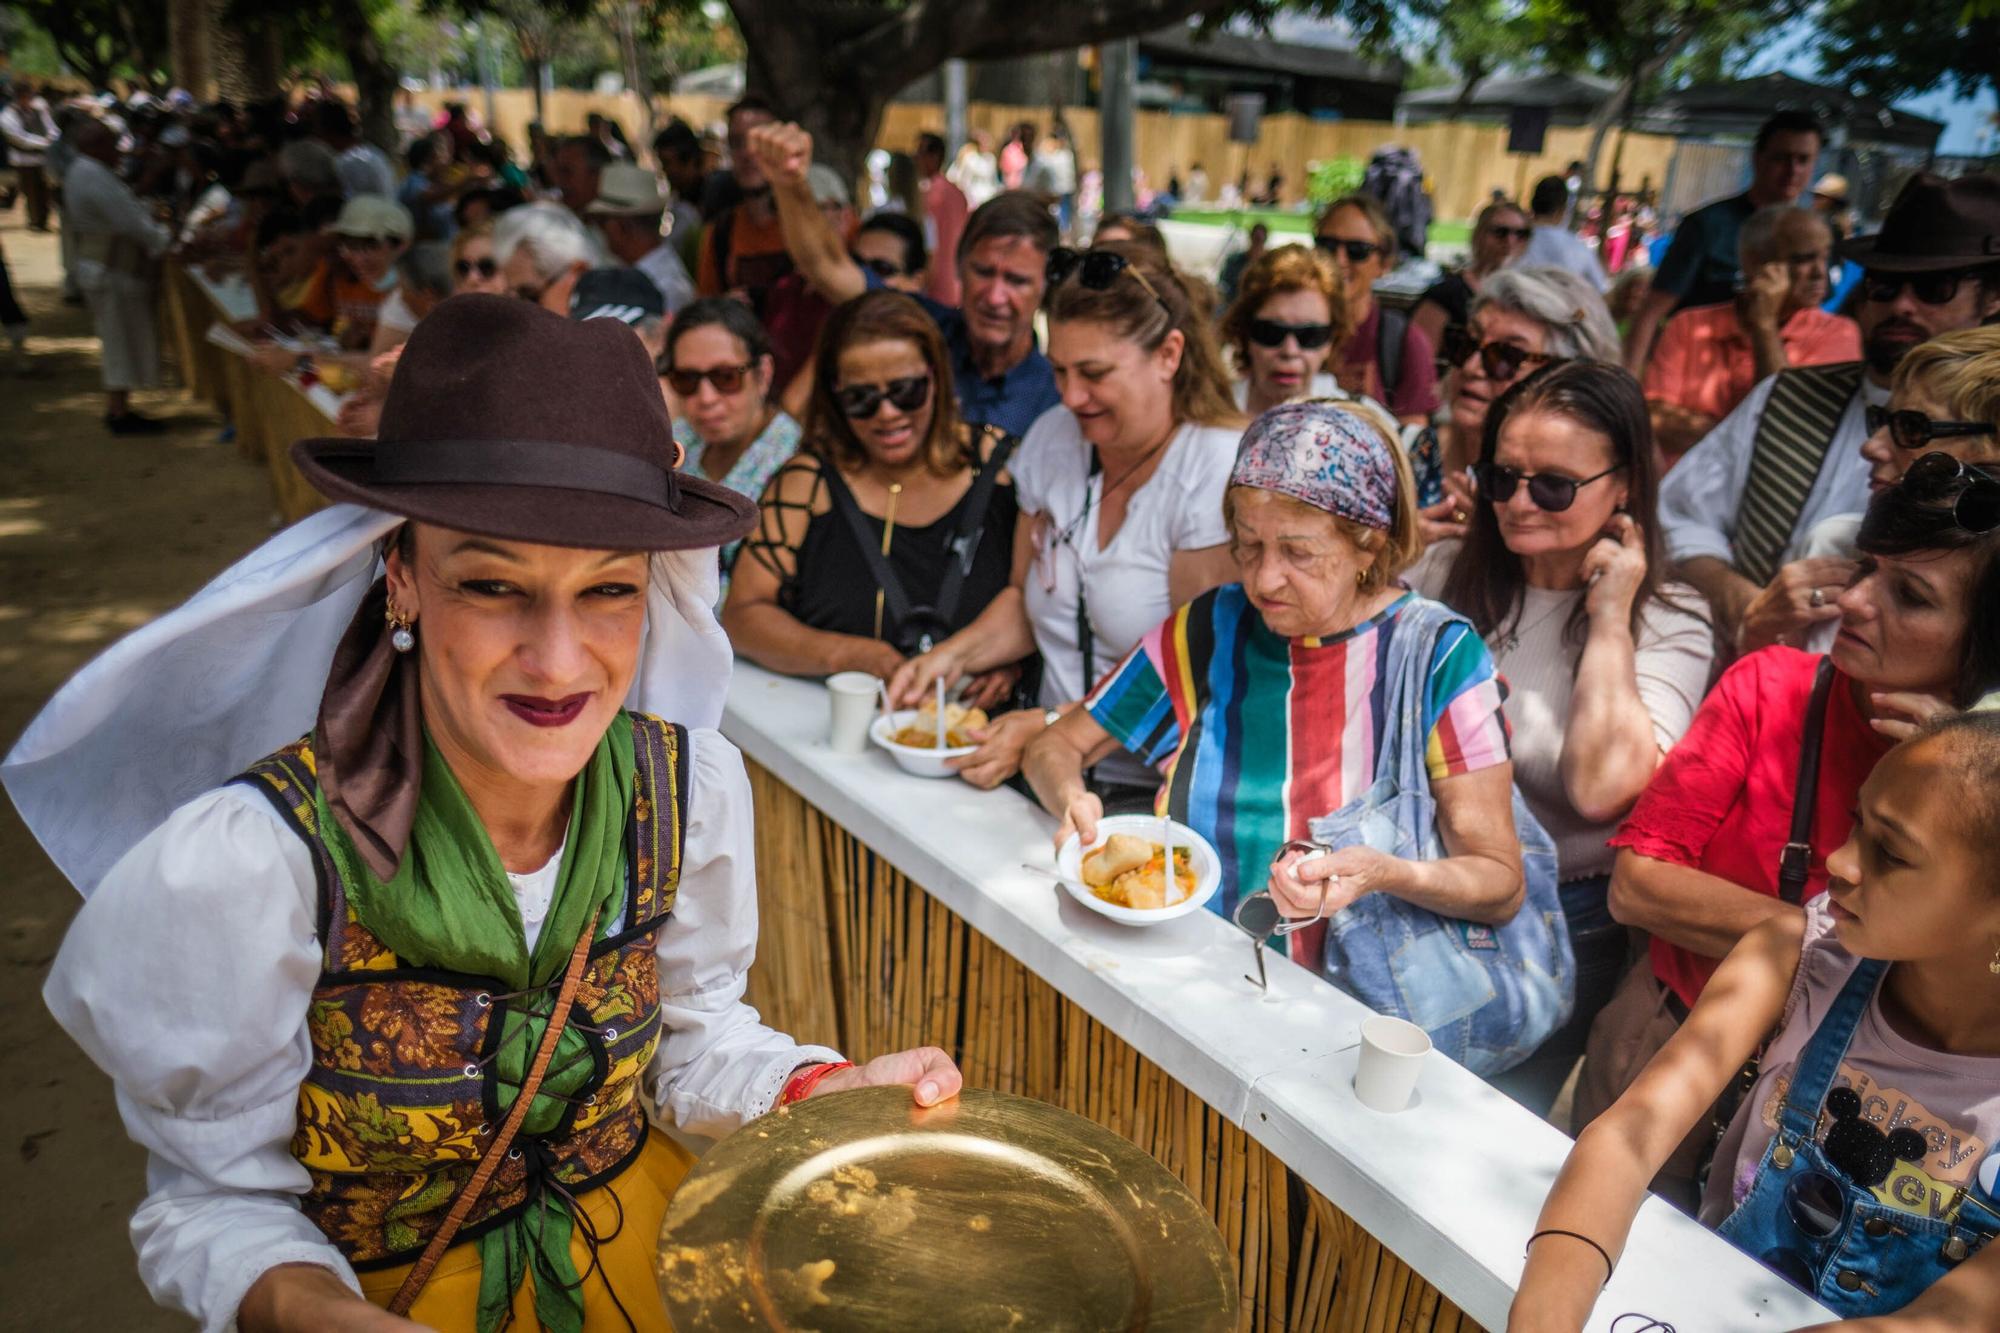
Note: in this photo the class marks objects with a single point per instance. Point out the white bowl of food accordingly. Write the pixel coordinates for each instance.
(1123, 876)
(910, 735)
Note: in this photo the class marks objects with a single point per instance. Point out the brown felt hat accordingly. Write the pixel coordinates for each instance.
(1936, 225)
(508, 421)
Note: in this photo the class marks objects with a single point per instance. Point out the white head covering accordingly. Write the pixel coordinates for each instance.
(187, 702)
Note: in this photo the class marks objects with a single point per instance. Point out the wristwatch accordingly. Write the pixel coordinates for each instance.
(1051, 716)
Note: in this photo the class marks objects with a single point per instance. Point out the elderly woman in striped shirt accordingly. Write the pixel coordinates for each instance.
(1266, 702)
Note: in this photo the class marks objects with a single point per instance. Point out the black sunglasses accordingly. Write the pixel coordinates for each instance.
(1817, 1206)
(1357, 252)
(464, 267)
(1551, 493)
(1976, 508)
(1272, 333)
(1500, 361)
(881, 268)
(1512, 233)
(1096, 270)
(862, 401)
(726, 379)
(1913, 430)
(1929, 288)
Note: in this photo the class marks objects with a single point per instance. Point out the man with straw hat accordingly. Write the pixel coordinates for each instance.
(386, 1003)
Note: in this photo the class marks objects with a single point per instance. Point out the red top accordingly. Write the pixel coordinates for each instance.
(1722, 801)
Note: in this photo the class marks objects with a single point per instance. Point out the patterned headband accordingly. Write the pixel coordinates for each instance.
(1325, 454)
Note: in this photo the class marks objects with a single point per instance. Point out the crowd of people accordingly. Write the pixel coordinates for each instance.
(1644, 665)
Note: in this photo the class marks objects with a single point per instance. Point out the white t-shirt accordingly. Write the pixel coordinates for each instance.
(1179, 508)
(396, 313)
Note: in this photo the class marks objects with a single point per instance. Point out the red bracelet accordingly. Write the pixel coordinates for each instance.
(803, 1080)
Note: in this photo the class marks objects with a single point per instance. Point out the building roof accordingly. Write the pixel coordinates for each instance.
(1269, 55)
(1568, 95)
(1738, 106)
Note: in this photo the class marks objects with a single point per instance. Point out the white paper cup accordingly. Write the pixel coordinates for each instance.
(1392, 1054)
(850, 708)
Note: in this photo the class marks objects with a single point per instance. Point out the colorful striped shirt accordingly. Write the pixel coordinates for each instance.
(1259, 734)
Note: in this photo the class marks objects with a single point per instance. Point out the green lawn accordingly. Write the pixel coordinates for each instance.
(1300, 224)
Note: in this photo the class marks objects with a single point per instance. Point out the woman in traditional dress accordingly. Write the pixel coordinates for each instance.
(394, 1003)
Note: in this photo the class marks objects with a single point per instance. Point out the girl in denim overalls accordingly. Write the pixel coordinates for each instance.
(1870, 1207)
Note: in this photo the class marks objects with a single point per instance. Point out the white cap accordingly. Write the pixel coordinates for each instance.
(375, 215)
(626, 190)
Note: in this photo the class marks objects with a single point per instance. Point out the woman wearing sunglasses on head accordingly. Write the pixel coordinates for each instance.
(1290, 312)
(716, 368)
(1499, 234)
(1561, 572)
(1731, 832)
(1122, 490)
(1858, 1163)
(1524, 319)
(1945, 396)
(893, 525)
(1385, 356)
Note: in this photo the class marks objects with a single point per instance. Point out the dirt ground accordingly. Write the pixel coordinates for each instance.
(98, 534)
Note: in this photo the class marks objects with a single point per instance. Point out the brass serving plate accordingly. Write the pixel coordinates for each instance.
(859, 1210)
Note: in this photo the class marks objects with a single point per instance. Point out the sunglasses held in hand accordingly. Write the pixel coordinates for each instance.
(1258, 915)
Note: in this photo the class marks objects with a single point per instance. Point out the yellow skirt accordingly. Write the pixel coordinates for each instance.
(625, 1263)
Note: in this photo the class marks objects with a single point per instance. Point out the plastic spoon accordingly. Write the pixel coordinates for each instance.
(939, 683)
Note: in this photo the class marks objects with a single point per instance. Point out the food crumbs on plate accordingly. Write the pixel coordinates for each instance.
(804, 1285)
(979, 1222)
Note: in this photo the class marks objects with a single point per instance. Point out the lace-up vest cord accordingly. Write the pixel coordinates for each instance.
(402, 1095)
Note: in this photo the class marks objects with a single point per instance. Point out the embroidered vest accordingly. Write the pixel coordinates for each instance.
(400, 1099)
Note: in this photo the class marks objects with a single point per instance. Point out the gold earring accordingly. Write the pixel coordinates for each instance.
(402, 631)
(1994, 966)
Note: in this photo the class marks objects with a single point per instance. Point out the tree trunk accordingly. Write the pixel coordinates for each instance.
(1618, 108)
(188, 47)
(1475, 74)
(374, 76)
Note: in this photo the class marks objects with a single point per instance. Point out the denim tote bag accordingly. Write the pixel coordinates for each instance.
(1488, 995)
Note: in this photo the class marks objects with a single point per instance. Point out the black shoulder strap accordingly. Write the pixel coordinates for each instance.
(972, 526)
(1389, 348)
(895, 600)
(1796, 859)
(723, 227)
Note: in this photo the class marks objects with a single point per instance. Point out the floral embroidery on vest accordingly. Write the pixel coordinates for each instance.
(398, 1104)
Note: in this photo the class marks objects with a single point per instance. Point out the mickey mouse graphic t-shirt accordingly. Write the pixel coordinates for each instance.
(1886, 1084)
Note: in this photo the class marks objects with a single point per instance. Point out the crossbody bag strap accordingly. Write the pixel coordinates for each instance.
(1086, 641)
(972, 528)
(496, 1152)
(1796, 859)
(896, 601)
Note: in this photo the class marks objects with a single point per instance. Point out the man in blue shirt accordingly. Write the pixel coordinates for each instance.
(1001, 376)
(1700, 267)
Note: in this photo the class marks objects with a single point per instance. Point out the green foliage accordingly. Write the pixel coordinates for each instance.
(102, 40)
(1333, 178)
(1891, 51)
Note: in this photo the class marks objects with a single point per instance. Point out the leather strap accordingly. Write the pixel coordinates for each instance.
(1793, 436)
(468, 1197)
(1795, 861)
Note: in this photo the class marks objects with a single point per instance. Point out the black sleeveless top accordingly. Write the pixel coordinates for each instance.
(828, 581)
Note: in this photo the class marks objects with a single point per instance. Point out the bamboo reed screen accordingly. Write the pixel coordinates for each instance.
(856, 956)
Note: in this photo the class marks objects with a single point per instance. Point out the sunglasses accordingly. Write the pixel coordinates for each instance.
(1976, 509)
(1259, 918)
(881, 268)
(365, 242)
(1500, 361)
(464, 268)
(1817, 1206)
(1929, 288)
(1096, 270)
(1551, 494)
(1272, 333)
(1357, 252)
(726, 379)
(862, 401)
(1913, 430)
(1511, 233)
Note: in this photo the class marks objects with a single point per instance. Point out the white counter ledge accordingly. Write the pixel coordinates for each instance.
(1452, 1186)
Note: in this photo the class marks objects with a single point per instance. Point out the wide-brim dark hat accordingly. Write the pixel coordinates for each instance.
(508, 421)
(1935, 225)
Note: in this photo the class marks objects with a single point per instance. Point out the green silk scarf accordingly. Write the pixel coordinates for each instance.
(450, 906)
